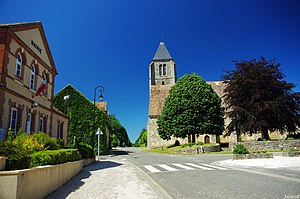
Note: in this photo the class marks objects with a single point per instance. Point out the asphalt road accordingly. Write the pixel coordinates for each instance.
(193, 177)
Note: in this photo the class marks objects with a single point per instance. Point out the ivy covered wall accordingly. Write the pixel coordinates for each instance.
(80, 111)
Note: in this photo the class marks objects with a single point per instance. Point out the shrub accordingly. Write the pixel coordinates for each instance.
(51, 157)
(240, 149)
(114, 143)
(199, 143)
(85, 150)
(293, 150)
(48, 142)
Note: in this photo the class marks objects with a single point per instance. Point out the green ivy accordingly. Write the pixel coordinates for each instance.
(80, 111)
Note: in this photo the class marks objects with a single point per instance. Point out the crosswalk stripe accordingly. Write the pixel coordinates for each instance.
(215, 167)
(183, 167)
(198, 166)
(152, 169)
(166, 167)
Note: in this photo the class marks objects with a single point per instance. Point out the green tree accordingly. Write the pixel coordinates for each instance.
(258, 99)
(142, 139)
(192, 107)
(80, 111)
(118, 132)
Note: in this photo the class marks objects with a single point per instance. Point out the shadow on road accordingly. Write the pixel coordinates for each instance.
(119, 152)
(77, 181)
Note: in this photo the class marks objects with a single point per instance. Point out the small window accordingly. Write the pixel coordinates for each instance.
(41, 124)
(18, 70)
(32, 78)
(164, 70)
(46, 80)
(59, 130)
(160, 69)
(162, 83)
(13, 119)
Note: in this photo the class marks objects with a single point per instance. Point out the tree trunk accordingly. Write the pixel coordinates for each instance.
(265, 134)
(193, 138)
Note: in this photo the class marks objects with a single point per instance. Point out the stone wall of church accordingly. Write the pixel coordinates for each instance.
(154, 140)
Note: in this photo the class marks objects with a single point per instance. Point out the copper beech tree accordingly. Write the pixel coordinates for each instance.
(259, 100)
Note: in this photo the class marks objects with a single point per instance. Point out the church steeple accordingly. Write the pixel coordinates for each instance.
(162, 68)
(162, 53)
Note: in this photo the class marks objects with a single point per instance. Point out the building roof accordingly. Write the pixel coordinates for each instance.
(14, 28)
(162, 53)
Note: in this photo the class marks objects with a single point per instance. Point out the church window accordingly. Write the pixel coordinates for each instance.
(164, 70)
(160, 69)
(18, 70)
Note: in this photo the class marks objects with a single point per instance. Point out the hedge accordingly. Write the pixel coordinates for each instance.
(85, 150)
(50, 157)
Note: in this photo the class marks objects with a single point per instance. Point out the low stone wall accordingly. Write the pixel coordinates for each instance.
(197, 150)
(292, 154)
(252, 156)
(270, 145)
(2, 163)
(87, 162)
(37, 182)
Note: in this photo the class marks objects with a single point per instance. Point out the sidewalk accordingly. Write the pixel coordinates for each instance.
(109, 179)
(271, 163)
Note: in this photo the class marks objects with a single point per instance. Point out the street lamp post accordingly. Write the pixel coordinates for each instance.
(101, 90)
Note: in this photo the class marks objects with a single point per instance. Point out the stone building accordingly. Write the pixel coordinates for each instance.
(27, 78)
(162, 76)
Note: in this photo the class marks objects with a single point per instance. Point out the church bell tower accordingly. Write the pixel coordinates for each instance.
(162, 68)
(162, 76)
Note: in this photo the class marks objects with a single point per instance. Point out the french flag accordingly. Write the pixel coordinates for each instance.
(41, 88)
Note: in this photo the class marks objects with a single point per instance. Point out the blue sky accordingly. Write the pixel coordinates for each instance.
(112, 42)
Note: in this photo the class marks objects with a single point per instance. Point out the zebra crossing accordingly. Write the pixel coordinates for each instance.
(182, 167)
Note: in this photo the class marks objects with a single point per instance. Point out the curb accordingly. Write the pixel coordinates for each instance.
(161, 193)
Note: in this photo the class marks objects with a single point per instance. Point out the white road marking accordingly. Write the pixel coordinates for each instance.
(198, 166)
(215, 167)
(166, 167)
(183, 167)
(152, 169)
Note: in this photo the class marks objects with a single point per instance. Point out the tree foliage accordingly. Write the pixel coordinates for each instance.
(118, 134)
(80, 111)
(258, 99)
(192, 107)
(142, 139)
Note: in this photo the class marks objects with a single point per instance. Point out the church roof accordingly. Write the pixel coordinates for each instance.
(162, 53)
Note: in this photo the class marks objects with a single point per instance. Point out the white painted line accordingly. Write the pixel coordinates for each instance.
(215, 167)
(183, 167)
(166, 167)
(152, 169)
(198, 166)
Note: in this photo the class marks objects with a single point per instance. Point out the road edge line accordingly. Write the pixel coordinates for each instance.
(161, 193)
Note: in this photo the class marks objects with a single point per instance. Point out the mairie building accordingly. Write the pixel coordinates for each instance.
(26, 67)
(162, 76)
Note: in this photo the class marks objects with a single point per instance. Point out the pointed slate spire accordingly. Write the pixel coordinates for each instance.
(162, 53)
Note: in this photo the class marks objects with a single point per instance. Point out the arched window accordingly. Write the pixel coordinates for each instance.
(41, 124)
(45, 79)
(162, 83)
(13, 122)
(160, 69)
(164, 70)
(32, 78)
(19, 63)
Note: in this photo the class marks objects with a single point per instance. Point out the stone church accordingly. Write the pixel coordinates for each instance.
(162, 76)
